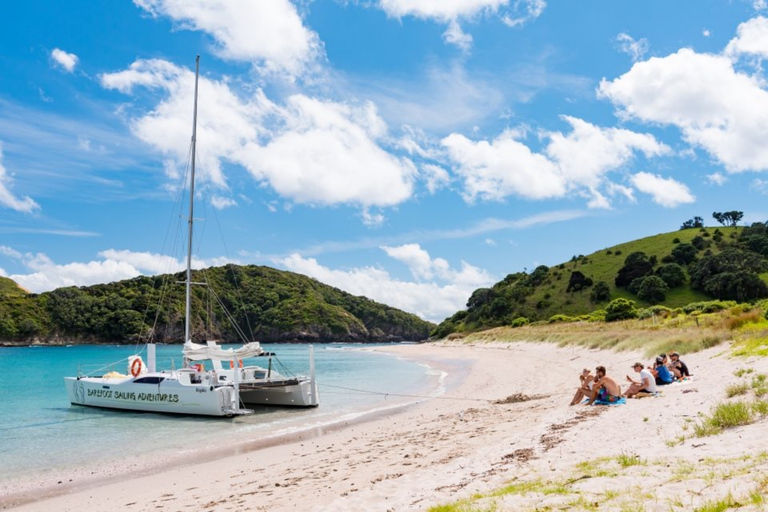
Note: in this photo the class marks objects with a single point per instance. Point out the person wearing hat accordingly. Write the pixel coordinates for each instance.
(677, 367)
(662, 373)
(647, 383)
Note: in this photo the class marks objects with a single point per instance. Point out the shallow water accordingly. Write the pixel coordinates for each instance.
(40, 431)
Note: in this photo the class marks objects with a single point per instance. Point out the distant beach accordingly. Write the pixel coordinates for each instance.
(502, 434)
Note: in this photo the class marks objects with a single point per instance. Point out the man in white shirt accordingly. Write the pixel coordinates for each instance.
(647, 383)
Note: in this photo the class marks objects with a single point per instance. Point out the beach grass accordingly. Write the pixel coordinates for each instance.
(728, 415)
(720, 474)
(739, 388)
(684, 333)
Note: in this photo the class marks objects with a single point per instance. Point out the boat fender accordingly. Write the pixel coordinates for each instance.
(211, 388)
(136, 367)
(232, 364)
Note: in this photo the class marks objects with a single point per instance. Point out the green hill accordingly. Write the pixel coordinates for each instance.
(262, 303)
(709, 263)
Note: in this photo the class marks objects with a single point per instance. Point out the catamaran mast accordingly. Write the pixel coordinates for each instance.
(188, 300)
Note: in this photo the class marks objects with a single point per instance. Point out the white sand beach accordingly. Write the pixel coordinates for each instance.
(445, 449)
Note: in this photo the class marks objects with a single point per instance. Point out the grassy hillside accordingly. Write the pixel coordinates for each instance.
(544, 293)
(261, 302)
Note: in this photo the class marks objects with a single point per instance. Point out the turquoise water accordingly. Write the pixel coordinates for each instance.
(40, 431)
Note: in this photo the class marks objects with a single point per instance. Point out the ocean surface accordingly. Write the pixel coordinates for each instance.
(41, 432)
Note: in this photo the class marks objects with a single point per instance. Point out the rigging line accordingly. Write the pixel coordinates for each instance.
(405, 395)
(229, 317)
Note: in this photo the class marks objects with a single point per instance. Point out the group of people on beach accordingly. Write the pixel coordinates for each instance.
(605, 389)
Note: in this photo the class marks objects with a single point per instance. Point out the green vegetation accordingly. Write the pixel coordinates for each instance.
(728, 415)
(671, 270)
(565, 492)
(264, 303)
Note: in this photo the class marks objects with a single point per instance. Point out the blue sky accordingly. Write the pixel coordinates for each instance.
(406, 150)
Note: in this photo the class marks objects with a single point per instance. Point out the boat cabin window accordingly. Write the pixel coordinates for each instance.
(149, 380)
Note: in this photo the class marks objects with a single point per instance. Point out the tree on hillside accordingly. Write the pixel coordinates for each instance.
(696, 222)
(730, 275)
(635, 265)
(728, 218)
(653, 289)
(672, 274)
(684, 254)
(578, 282)
(600, 293)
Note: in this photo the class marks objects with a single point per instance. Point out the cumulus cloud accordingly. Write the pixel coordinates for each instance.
(435, 177)
(512, 13)
(635, 49)
(269, 33)
(577, 161)
(437, 292)
(66, 61)
(308, 150)
(7, 198)
(716, 107)
(113, 265)
(751, 39)
(665, 191)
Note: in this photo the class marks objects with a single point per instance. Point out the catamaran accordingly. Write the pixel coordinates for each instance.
(192, 389)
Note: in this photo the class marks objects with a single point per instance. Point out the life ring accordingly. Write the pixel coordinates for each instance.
(232, 364)
(136, 367)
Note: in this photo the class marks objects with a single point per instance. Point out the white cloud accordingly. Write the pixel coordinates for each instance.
(635, 49)
(221, 203)
(67, 61)
(309, 151)
(760, 186)
(577, 161)
(706, 32)
(436, 177)
(751, 39)
(327, 153)
(114, 265)
(512, 13)
(588, 152)
(372, 220)
(717, 178)
(456, 36)
(524, 11)
(270, 33)
(502, 167)
(665, 191)
(444, 11)
(438, 292)
(715, 107)
(7, 198)
(490, 241)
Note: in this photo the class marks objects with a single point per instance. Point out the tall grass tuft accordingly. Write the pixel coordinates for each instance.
(737, 389)
(725, 415)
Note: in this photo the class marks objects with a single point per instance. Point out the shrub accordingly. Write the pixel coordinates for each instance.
(676, 241)
(560, 318)
(744, 318)
(620, 309)
(520, 321)
(601, 292)
(737, 389)
(659, 311)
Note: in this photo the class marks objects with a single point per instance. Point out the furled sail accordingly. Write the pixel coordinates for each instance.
(213, 352)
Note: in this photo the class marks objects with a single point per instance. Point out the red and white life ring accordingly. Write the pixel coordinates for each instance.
(136, 367)
(232, 364)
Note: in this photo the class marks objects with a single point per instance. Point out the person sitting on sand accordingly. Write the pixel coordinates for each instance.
(605, 388)
(585, 389)
(663, 375)
(647, 382)
(677, 367)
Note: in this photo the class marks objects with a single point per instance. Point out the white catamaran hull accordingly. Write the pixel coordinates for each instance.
(293, 393)
(167, 396)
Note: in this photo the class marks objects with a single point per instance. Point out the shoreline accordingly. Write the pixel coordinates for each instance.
(471, 440)
(28, 490)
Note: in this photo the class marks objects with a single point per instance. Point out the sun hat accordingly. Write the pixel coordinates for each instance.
(638, 364)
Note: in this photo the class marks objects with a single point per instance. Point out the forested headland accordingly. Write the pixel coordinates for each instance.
(261, 303)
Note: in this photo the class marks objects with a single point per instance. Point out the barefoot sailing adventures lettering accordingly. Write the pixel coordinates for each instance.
(139, 397)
